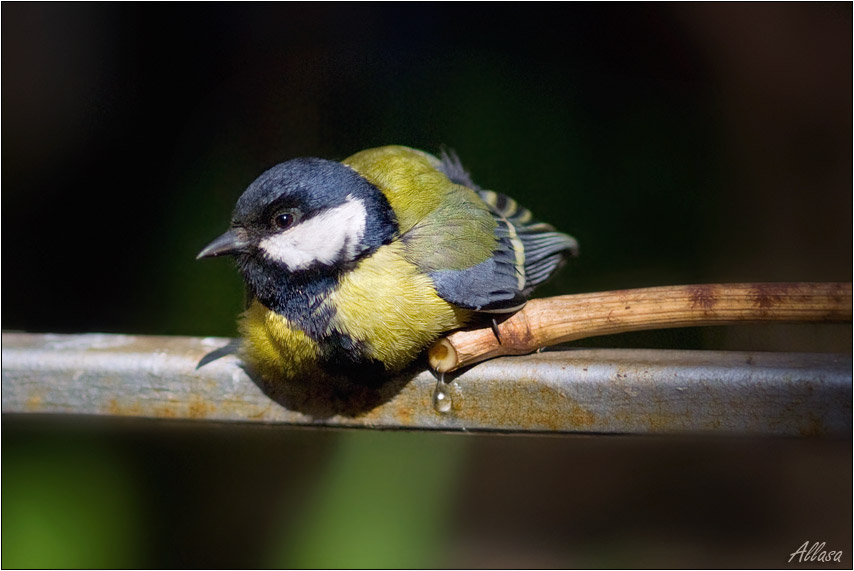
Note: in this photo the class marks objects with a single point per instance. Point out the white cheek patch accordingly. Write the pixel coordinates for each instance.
(326, 238)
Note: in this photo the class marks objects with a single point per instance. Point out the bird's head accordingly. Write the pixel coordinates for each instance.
(304, 216)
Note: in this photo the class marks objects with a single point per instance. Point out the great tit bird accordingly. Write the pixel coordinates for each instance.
(361, 264)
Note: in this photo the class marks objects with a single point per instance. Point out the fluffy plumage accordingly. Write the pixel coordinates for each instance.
(361, 264)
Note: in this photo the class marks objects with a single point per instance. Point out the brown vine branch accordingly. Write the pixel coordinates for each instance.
(549, 321)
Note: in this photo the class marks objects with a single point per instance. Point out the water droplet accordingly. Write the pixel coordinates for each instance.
(442, 395)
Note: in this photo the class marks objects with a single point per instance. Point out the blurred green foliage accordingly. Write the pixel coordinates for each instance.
(67, 506)
(384, 501)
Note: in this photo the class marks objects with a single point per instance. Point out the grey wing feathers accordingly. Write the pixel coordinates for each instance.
(527, 253)
(449, 163)
(537, 247)
(488, 286)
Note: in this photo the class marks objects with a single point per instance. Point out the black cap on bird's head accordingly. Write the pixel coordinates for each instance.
(304, 214)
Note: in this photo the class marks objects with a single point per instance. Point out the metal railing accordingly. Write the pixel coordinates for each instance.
(565, 391)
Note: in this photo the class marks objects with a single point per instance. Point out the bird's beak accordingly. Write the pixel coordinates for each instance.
(235, 241)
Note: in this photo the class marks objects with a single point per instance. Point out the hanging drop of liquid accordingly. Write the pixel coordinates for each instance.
(442, 395)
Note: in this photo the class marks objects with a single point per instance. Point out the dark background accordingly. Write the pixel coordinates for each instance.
(680, 143)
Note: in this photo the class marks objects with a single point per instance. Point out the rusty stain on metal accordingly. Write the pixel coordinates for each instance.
(567, 391)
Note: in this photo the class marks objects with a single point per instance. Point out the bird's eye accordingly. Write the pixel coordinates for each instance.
(284, 220)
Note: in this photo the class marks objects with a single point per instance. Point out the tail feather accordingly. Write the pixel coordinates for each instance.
(543, 249)
(528, 251)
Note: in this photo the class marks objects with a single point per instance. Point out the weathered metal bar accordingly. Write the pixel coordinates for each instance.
(576, 390)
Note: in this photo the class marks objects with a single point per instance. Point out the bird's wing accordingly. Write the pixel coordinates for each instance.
(538, 248)
(527, 252)
(467, 253)
(482, 251)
